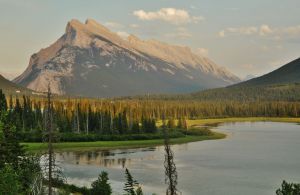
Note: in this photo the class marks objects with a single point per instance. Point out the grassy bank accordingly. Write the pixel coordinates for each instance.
(119, 144)
(147, 143)
(245, 119)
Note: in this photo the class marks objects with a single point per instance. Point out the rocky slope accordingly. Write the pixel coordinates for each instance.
(90, 60)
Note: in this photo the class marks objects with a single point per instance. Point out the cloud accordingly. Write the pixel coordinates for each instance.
(123, 34)
(113, 25)
(194, 7)
(292, 30)
(263, 31)
(221, 33)
(134, 25)
(170, 15)
(238, 31)
(180, 33)
(202, 52)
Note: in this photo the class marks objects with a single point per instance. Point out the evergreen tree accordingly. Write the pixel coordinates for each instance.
(153, 126)
(124, 122)
(171, 123)
(10, 149)
(17, 115)
(101, 185)
(288, 189)
(179, 123)
(12, 155)
(9, 181)
(130, 184)
(182, 124)
(3, 103)
(135, 127)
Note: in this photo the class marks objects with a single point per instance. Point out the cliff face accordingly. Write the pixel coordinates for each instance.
(90, 60)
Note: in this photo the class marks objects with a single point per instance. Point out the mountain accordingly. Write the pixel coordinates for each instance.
(8, 75)
(248, 77)
(282, 84)
(254, 94)
(90, 60)
(287, 74)
(11, 88)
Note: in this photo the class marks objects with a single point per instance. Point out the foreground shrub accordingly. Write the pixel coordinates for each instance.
(288, 189)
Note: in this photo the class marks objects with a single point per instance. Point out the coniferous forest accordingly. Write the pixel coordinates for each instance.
(111, 119)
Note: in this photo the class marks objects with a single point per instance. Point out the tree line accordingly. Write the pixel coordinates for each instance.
(120, 117)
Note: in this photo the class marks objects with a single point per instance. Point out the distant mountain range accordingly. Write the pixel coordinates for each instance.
(289, 73)
(90, 60)
(281, 84)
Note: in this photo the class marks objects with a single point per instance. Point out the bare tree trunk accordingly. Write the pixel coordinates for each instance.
(111, 122)
(87, 121)
(170, 167)
(130, 119)
(77, 118)
(50, 147)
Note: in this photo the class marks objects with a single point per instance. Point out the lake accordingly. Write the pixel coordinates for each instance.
(253, 159)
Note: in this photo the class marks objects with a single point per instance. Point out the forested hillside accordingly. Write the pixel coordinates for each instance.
(287, 74)
(282, 84)
(284, 92)
(121, 117)
(12, 88)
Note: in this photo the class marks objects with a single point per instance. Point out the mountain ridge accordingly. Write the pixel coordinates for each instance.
(89, 58)
(286, 74)
(282, 84)
(12, 88)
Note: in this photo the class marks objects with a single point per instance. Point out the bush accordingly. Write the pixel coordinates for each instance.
(199, 132)
(74, 137)
(70, 188)
(101, 185)
(9, 178)
(288, 189)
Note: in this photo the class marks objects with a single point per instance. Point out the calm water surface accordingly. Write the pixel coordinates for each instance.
(253, 159)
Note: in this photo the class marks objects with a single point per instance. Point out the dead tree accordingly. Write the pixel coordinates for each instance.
(170, 167)
(49, 135)
(52, 172)
(87, 119)
(77, 118)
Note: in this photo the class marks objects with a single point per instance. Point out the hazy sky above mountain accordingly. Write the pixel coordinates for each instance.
(247, 37)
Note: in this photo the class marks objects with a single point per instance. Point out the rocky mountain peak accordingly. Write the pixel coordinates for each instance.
(91, 60)
(93, 24)
(132, 39)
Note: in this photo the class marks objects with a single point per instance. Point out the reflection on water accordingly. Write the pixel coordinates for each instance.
(102, 158)
(251, 160)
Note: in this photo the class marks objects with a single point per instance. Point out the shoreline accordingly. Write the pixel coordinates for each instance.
(107, 145)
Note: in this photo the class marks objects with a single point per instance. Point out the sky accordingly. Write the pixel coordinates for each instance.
(247, 37)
